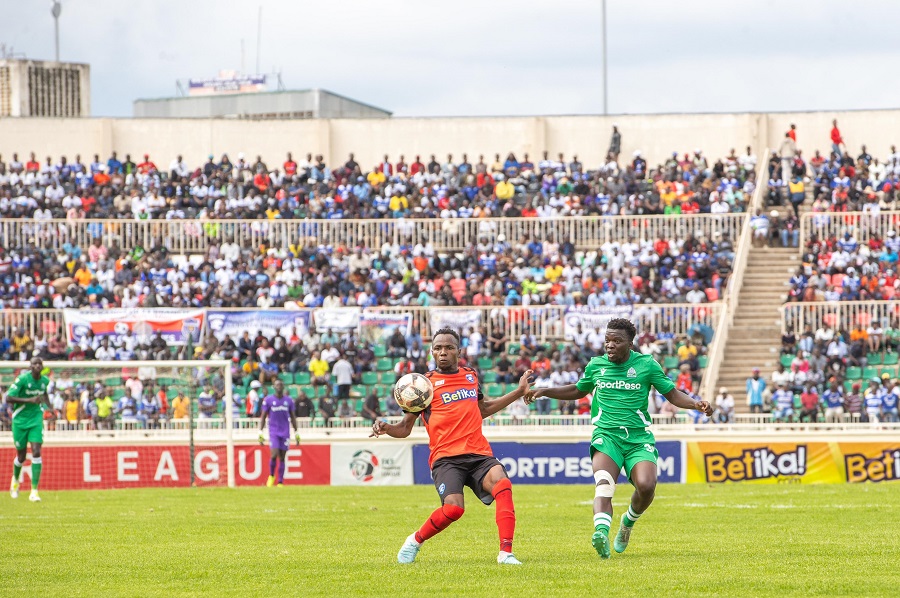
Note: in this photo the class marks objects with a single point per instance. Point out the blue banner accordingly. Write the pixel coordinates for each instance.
(554, 463)
(270, 322)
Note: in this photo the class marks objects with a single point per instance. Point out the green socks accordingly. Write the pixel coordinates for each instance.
(630, 517)
(36, 465)
(602, 522)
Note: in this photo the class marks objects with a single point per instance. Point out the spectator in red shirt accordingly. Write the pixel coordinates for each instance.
(290, 167)
(685, 382)
(793, 132)
(809, 398)
(836, 140)
(147, 166)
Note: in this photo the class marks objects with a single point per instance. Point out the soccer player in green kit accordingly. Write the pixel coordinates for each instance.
(28, 395)
(620, 381)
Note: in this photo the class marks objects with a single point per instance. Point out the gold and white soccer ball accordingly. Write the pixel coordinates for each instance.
(413, 392)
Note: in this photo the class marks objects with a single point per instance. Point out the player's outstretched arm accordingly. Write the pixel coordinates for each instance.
(398, 430)
(491, 406)
(569, 392)
(679, 399)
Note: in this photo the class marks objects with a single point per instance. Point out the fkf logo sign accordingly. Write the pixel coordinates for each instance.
(755, 464)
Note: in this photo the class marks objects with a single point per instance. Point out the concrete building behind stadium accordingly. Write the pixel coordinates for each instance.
(300, 104)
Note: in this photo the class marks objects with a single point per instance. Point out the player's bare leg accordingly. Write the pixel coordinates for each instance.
(643, 476)
(452, 509)
(605, 474)
(497, 483)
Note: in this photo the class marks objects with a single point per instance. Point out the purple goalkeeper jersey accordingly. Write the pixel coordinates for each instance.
(279, 410)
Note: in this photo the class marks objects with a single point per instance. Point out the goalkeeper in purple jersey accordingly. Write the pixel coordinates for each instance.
(278, 410)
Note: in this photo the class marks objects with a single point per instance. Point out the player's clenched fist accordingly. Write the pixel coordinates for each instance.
(705, 407)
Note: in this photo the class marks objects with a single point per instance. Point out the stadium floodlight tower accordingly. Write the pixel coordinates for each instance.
(55, 10)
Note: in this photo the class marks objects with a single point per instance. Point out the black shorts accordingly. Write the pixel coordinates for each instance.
(343, 391)
(452, 474)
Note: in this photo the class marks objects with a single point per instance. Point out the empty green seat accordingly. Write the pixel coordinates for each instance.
(875, 358)
(485, 363)
(384, 364)
(854, 373)
(302, 378)
(488, 377)
(869, 372)
(513, 348)
(369, 378)
(670, 362)
(494, 390)
(703, 360)
(379, 350)
(891, 358)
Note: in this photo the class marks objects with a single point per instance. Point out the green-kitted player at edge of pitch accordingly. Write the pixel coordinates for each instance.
(621, 381)
(28, 395)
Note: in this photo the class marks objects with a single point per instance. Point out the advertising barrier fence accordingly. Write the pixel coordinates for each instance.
(388, 463)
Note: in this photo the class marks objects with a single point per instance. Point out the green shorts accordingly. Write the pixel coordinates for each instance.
(625, 447)
(22, 435)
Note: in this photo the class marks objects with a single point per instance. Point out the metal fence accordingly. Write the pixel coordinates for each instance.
(862, 225)
(838, 314)
(194, 236)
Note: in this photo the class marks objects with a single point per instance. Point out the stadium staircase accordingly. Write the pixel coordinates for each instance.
(754, 338)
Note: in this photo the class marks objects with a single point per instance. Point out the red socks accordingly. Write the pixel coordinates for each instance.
(439, 521)
(506, 513)
(506, 517)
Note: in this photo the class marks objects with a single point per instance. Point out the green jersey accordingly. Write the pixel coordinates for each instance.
(621, 390)
(26, 387)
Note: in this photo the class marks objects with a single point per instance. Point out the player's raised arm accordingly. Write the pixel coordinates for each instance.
(569, 392)
(679, 399)
(399, 430)
(491, 406)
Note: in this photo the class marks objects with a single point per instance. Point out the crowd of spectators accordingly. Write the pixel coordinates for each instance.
(832, 374)
(392, 188)
(509, 272)
(837, 181)
(331, 376)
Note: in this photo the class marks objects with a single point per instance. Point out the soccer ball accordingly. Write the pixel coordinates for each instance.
(413, 392)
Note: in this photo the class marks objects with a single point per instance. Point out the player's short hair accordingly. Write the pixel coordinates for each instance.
(624, 325)
(449, 331)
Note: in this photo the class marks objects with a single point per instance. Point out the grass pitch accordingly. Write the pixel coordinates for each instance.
(727, 540)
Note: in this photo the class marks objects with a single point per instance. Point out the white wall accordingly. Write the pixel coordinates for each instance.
(587, 136)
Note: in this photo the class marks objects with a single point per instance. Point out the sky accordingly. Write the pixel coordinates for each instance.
(487, 57)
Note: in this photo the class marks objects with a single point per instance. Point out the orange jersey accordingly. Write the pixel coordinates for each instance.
(453, 420)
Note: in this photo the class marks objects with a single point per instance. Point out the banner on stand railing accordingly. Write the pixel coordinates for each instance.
(269, 321)
(174, 325)
(457, 319)
(377, 327)
(338, 319)
(591, 318)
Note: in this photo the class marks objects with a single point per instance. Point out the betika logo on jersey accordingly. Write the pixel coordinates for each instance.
(881, 468)
(755, 464)
(459, 395)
